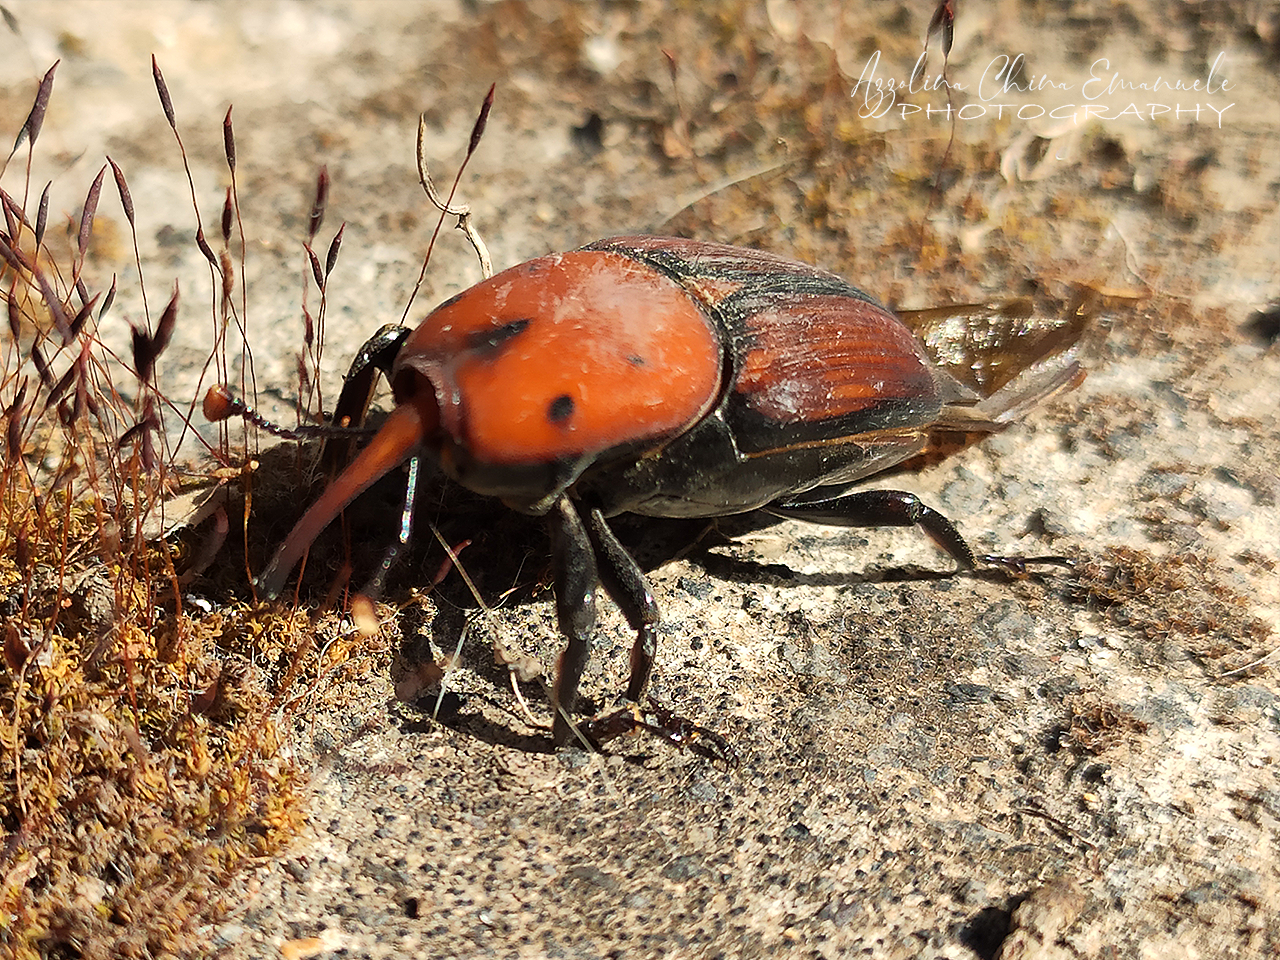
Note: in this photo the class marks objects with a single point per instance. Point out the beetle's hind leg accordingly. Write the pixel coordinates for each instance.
(880, 508)
(897, 508)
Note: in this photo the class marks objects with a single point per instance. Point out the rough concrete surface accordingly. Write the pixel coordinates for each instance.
(1062, 766)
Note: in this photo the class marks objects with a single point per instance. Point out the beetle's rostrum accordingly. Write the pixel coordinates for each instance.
(677, 378)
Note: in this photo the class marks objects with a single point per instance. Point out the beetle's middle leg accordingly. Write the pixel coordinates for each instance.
(577, 577)
(630, 590)
(587, 554)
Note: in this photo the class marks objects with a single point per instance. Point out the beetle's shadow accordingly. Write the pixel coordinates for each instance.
(716, 547)
(506, 557)
(496, 727)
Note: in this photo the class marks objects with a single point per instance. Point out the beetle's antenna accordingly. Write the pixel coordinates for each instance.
(220, 405)
(401, 543)
(463, 213)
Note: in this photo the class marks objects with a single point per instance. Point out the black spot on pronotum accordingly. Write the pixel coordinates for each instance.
(490, 341)
(560, 409)
(635, 360)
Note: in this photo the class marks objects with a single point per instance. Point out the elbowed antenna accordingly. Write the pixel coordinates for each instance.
(391, 445)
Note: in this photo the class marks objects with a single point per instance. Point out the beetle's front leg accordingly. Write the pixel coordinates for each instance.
(576, 577)
(375, 357)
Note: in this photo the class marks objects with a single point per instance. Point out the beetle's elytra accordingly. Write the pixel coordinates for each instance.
(677, 378)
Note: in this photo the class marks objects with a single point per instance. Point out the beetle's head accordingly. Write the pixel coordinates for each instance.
(519, 384)
(529, 484)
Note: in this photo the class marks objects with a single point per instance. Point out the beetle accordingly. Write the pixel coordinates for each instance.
(669, 377)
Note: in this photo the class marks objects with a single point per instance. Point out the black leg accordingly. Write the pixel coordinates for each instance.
(630, 590)
(376, 356)
(586, 554)
(576, 581)
(665, 725)
(881, 508)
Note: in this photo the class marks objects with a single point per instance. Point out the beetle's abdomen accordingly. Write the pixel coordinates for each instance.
(812, 361)
(566, 356)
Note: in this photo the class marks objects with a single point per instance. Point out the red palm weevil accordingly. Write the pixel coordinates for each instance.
(677, 378)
